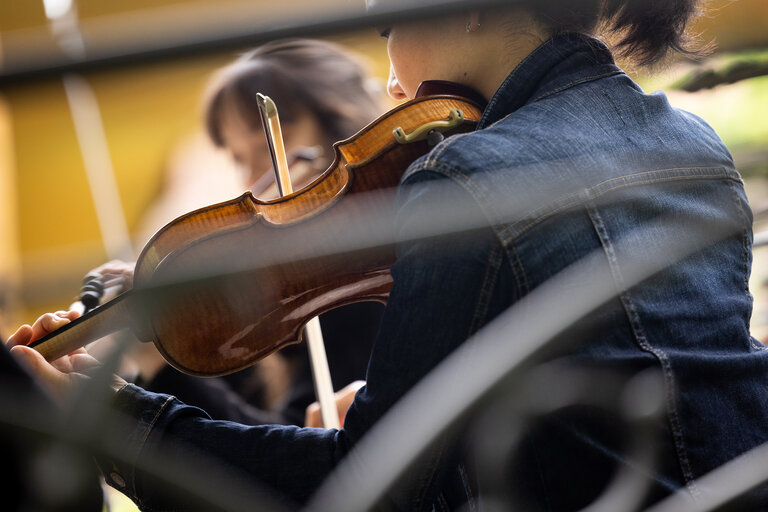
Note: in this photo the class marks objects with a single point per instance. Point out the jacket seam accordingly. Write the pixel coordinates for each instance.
(457, 176)
(518, 270)
(559, 89)
(671, 403)
(486, 288)
(465, 182)
(470, 505)
(746, 251)
(429, 477)
(442, 503)
(431, 159)
(641, 339)
(528, 221)
(744, 243)
(577, 82)
(142, 443)
(534, 218)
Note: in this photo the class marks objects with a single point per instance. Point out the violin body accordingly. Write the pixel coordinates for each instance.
(220, 288)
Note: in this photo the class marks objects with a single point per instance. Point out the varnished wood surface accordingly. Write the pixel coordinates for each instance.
(222, 287)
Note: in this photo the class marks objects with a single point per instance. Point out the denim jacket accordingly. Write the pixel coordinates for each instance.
(571, 158)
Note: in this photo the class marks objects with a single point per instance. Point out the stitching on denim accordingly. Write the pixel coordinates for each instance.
(144, 440)
(470, 505)
(756, 344)
(575, 198)
(744, 239)
(673, 172)
(577, 82)
(616, 108)
(461, 179)
(642, 341)
(431, 158)
(545, 95)
(438, 151)
(443, 503)
(464, 181)
(517, 265)
(601, 189)
(486, 289)
(430, 473)
(745, 257)
(643, 178)
(674, 418)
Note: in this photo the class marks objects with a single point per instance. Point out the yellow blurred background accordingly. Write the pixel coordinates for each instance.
(151, 113)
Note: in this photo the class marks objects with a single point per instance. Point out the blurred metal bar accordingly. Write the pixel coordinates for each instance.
(92, 139)
(485, 362)
(169, 33)
(761, 239)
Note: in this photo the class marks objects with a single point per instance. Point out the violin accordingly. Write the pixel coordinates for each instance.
(219, 288)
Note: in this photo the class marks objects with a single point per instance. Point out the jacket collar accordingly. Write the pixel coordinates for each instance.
(559, 63)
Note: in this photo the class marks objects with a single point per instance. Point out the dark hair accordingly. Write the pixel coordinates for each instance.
(646, 29)
(301, 76)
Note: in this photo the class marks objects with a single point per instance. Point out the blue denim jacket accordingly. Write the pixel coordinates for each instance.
(571, 157)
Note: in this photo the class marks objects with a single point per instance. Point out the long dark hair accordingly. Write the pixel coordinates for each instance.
(645, 30)
(302, 76)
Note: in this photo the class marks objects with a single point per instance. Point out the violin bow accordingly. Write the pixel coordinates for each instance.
(312, 332)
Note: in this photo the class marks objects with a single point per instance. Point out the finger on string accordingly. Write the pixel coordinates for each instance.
(72, 314)
(22, 336)
(69, 315)
(47, 323)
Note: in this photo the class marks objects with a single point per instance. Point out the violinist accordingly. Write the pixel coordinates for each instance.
(571, 159)
(322, 91)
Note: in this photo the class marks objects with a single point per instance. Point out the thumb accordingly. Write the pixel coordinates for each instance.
(51, 378)
(22, 336)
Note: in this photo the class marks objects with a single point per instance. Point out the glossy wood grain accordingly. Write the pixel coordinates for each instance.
(222, 287)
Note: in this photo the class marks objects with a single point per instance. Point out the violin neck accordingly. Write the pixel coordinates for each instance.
(110, 317)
